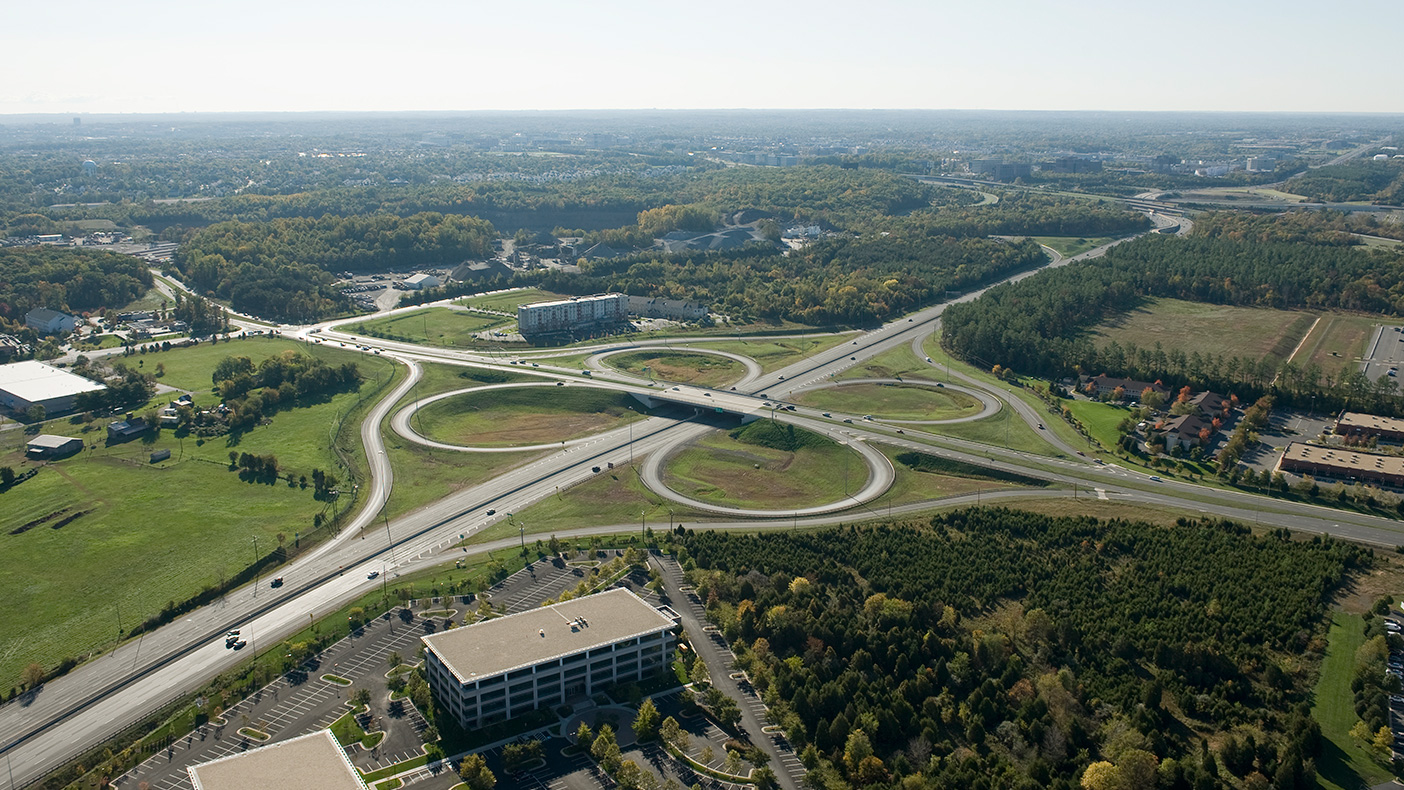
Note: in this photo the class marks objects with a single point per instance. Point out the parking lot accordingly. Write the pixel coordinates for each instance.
(301, 702)
(1384, 354)
(1285, 427)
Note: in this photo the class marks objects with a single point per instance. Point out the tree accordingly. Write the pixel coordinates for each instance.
(475, 773)
(7, 476)
(858, 748)
(35, 412)
(33, 675)
(584, 736)
(605, 749)
(698, 674)
(646, 722)
(1103, 776)
(361, 697)
(517, 756)
(673, 733)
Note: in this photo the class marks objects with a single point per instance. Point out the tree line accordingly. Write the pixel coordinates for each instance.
(1039, 325)
(1376, 182)
(68, 279)
(991, 648)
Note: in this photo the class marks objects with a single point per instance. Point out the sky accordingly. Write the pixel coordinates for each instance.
(76, 56)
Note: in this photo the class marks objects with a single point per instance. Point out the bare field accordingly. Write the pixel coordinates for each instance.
(1220, 330)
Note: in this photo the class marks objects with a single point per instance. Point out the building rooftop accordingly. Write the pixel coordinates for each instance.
(1353, 420)
(49, 441)
(1344, 460)
(44, 314)
(527, 638)
(35, 381)
(591, 298)
(309, 762)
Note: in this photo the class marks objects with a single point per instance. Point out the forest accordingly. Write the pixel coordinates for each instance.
(1038, 325)
(71, 280)
(840, 280)
(1376, 182)
(1028, 214)
(992, 648)
(282, 268)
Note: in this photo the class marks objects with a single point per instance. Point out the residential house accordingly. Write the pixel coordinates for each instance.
(1106, 386)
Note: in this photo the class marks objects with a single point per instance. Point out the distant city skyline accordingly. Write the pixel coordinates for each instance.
(155, 56)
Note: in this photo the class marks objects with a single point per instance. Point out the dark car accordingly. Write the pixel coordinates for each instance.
(492, 512)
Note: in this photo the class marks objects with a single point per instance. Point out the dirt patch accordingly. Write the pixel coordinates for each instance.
(1386, 578)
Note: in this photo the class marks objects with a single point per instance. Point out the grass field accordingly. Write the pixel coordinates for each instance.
(680, 367)
(991, 430)
(775, 354)
(1089, 505)
(149, 533)
(1344, 764)
(893, 364)
(717, 468)
(614, 496)
(1068, 246)
(913, 485)
(1208, 329)
(1101, 419)
(533, 415)
(893, 401)
(508, 302)
(434, 326)
(1337, 343)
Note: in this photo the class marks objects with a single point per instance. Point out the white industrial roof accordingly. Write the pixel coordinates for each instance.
(35, 381)
(309, 762)
(519, 640)
(48, 441)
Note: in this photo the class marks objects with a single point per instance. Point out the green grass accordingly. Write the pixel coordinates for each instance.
(893, 401)
(1344, 763)
(1068, 246)
(776, 354)
(991, 428)
(720, 469)
(892, 364)
(615, 496)
(151, 300)
(526, 416)
(93, 343)
(190, 368)
(1100, 419)
(918, 485)
(151, 533)
(1195, 327)
(1337, 342)
(508, 302)
(679, 367)
(434, 326)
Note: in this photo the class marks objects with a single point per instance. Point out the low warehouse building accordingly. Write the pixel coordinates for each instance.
(1354, 423)
(26, 384)
(46, 447)
(498, 669)
(1310, 459)
(309, 762)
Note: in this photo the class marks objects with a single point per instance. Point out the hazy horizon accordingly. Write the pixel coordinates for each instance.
(155, 57)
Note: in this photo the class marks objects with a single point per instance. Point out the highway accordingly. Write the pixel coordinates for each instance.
(93, 702)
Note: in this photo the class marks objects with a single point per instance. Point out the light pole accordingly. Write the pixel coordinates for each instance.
(642, 522)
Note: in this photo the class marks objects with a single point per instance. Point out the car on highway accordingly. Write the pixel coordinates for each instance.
(826, 414)
(939, 384)
(560, 384)
(232, 634)
(372, 574)
(277, 582)
(239, 645)
(535, 365)
(492, 512)
(706, 394)
(595, 469)
(1156, 478)
(850, 422)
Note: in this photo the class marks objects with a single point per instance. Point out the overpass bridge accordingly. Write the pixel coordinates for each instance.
(748, 407)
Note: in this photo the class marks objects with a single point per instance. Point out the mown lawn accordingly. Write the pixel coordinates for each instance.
(775, 354)
(719, 469)
(893, 401)
(679, 367)
(1344, 764)
(615, 496)
(1100, 419)
(152, 533)
(434, 326)
(508, 302)
(530, 415)
(1337, 343)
